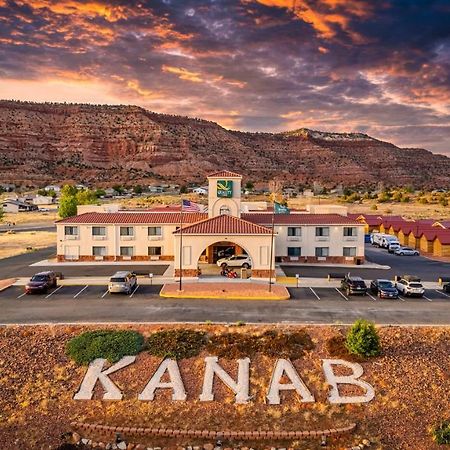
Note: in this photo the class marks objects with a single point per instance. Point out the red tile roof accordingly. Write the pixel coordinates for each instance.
(444, 223)
(134, 218)
(224, 174)
(300, 219)
(443, 236)
(224, 224)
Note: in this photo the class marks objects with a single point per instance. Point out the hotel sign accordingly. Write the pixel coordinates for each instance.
(225, 188)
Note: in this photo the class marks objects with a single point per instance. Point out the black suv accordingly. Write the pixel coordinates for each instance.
(353, 285)
(41, 282)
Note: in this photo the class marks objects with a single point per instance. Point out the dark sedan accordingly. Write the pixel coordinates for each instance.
(384, 288)
(41, 282)
(446, 288)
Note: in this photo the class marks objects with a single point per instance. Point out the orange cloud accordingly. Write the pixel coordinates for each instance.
(183, 74)
(324, 16)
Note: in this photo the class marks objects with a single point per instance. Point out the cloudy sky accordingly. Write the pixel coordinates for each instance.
(377, 66)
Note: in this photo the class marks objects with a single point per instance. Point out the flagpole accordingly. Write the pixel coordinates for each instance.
(181, 248)
(271, 247)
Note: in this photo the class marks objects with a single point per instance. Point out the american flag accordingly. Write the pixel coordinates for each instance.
(189, 206)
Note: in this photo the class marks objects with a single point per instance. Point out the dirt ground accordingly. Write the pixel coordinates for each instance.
(31, 217)
(410, 378)
(17, 243)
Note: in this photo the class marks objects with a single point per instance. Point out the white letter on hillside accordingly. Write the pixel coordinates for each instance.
(95, 373)
(285, 367)
(175, 383)
(240, 388)
(333, 380)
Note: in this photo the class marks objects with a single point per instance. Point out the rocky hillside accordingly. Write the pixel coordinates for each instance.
(104, 145)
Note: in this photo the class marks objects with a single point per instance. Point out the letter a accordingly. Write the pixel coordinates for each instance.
(285, 367)
(240, 388)
(175, 383)
(333, 380)
(95, 373)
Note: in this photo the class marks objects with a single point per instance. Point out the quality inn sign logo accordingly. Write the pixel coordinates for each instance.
(284, 378)
(225, 188)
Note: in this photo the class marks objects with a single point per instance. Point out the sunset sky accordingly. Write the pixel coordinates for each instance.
(380, 67)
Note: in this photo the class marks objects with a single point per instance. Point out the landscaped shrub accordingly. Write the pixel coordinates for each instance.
(284, 345)
(178, 343)
(362, 339)
(271, 343)
(441, 433)
(108, 344)
(232, 345)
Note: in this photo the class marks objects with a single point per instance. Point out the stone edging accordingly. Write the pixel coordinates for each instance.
(207, 434)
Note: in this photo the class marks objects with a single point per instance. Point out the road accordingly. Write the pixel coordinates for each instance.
(85, 303)
(426, 269)
(19, 266)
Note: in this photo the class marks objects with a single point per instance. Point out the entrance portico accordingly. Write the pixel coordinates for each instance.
(254, 239)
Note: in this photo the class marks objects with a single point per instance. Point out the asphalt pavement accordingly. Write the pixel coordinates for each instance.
(426, 269)
(93, 304)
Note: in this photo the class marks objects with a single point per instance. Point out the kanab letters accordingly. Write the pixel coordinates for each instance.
(285, 377)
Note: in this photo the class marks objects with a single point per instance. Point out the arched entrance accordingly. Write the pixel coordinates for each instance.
(234, 256)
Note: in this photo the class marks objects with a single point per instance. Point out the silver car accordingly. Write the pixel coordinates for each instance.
(406, 251)
(235, 261)
(122, 282)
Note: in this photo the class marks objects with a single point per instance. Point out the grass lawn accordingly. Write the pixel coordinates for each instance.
(17, 243)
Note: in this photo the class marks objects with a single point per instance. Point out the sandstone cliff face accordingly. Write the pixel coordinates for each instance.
(103, 145)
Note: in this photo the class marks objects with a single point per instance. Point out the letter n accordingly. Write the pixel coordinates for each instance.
(175, 383)
(240, 387)
(95, 373)
(334, 380)
(285, 367)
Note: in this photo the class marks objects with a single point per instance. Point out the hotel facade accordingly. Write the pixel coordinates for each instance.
(317, 235)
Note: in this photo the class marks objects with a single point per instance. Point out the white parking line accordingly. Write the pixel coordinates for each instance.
(78, 293)
(442, 293)
(105, 293)
(135, 289)
(51, 293)
(314, 292)
(340, 293)
(373, 298)
(21, 295)
(402, 299)
(426, 298)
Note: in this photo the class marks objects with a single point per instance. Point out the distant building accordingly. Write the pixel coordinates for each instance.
(15, 206)
(200, 190)
(43, 200)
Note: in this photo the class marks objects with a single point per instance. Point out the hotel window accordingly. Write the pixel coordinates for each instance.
(349, 251)
(98, 231)
(323, 231)
(350, 231)
(71, 231)
(224, 211)
(294, 231)
(294, 251)
(126, 251)
(126, 231)
(322, 252)
(154, 251)
(99, 251)
(154, 231)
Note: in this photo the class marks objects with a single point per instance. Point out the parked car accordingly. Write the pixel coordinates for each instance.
(388, 239)
(236, 261)
(410, 286)
(393, 247)
(353, 285)
(446, 287)
(406, 251)
(41, 282)
(226, 253)
(384, 288)
(122, 282)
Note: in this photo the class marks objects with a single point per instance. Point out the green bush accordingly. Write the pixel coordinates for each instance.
(107, 344)
(178, 343)
(232, 345)
(441, 433)
(362, 339)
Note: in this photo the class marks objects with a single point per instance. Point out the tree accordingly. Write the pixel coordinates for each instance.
(138, 189)
(67, 206)
(118, 188)
(69, 190)
(100, 193)
(362, 339)
(85, 197)
(183, 189)
(2, 213)
(249, 186)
